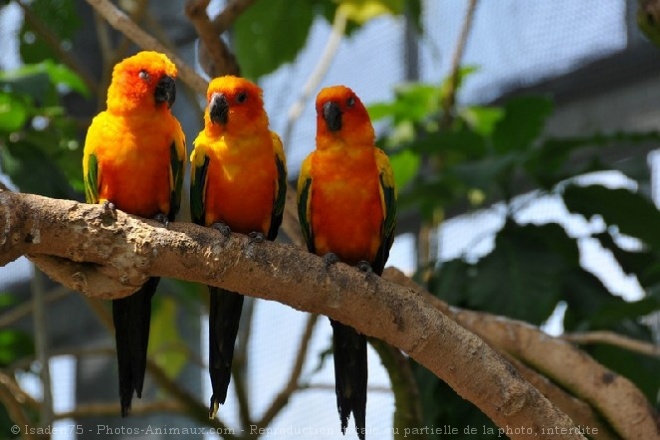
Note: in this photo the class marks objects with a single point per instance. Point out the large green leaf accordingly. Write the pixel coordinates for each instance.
(405, 165)
(551, 162)
(523, 122)
(13, 112)
(61, 19)
(633, 213)
(167, 347)
(413, 102)
(584, 294)
(33, 171)
(14, 344)
(270, 33)
(521, 278)
(644, 264)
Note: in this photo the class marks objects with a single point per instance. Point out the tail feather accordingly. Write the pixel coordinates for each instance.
(350, 352)
(224, 317)
(132, 317)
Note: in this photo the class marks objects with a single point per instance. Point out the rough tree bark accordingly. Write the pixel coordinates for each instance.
(106, 254)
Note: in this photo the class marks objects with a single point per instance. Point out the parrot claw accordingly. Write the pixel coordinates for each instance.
(110, 208)
(160, 217)
(223, 228)
(255, 237)
(364, 266)
(329, 259)
(213, 410)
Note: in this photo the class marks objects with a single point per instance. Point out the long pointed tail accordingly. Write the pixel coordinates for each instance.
(132, 316)
(350, 351)
(224, 317)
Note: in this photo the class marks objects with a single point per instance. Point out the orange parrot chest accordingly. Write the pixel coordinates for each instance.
(240, 188)
(134, 164)
(346, 210)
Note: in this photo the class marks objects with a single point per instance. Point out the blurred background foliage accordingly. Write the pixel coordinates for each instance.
(481, 157)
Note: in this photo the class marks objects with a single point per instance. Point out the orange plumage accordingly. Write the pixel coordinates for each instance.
(134, 160)
(347, 207)
(238, 182)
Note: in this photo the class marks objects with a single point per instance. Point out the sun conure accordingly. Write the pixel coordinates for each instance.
(134, 160)
(238, 183)
(347, 211)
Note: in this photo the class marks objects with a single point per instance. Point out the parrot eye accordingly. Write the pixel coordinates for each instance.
(241, 97)
(144, 75)
(350, 101)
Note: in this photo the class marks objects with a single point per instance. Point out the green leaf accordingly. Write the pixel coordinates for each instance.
(37, 80)
(450, 281)
(617, 309)
(584, 294)
(405, 165)
(362, 11)
(482, 119)
(413, 102)
(33, 171)
(257, 50)
(521, 278)
(630, 211)
(13, 113)
(61, 19)
(644, 264)
(166, 346)
(550, 163)
(523, 121)
(14, 344)
(463, 73)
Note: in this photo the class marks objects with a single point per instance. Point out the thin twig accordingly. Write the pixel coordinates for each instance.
(614, 339)
(219, 59)
(111, 409)
(19, 396)
(282, 398)
(450, 99)
(16, 413)
(24, 309)
(317, 75)
(120, 21)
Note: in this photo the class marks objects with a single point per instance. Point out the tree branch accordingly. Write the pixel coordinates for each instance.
(120, 21)
(129, 247)
(614, 397)
(214, 55)
(614, 339)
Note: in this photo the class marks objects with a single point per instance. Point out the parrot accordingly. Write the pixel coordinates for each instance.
(347, 212)
(134, 160)
(238, 183)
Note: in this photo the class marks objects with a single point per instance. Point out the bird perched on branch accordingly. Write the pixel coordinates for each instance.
(238, 183)
(134, 160)
(347, 211)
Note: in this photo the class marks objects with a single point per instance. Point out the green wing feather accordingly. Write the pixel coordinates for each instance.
(91, 180)
(388, 199)
(280, 192)
(200, 167)
(304, 200)
(177, 171)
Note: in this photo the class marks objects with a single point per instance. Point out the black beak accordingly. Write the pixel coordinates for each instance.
(165, 91)
(332, 116)
(219, 110)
